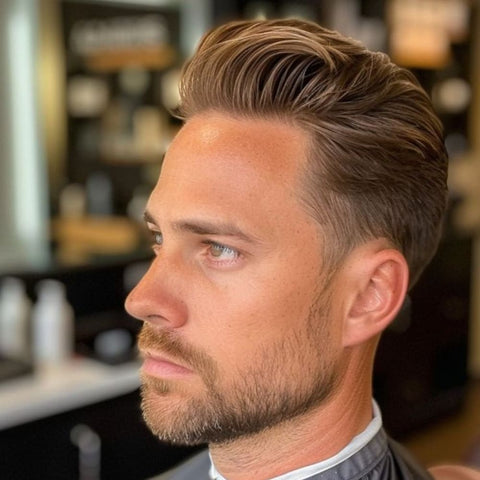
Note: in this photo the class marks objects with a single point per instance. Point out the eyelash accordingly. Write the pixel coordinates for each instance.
(157, 238)
(223, 249)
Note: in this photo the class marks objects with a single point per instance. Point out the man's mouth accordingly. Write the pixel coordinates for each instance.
(158, 365)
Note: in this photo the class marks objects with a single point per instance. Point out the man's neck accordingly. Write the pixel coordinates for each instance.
(305, 440)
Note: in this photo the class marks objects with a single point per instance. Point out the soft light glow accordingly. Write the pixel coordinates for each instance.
(29, 180)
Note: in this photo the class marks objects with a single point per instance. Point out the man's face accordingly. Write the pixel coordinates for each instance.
(238, 334)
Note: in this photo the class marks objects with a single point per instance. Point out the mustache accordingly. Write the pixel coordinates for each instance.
(168, 342)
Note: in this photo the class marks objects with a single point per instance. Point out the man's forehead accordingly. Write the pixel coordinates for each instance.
(247, 171)
(269, 146)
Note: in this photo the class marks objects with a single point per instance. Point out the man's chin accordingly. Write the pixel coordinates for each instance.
(170, 415)
(152, 385)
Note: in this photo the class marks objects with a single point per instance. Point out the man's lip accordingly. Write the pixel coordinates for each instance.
(158, 365)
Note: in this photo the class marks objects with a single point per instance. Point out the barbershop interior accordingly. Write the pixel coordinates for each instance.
(87, 92)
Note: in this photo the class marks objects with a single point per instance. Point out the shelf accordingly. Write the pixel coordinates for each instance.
(75, 384)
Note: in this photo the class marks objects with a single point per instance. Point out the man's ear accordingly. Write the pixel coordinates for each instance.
(380, 281)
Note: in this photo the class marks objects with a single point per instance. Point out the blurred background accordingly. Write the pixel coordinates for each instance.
(86, 88)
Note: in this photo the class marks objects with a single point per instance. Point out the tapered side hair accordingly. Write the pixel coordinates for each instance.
(376, 164)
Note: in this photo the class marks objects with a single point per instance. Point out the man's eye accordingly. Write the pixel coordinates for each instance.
(222, 252)
(157, 238)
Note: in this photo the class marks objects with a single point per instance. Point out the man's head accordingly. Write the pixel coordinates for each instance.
(235, 293)
(306, 171)
(377, 163)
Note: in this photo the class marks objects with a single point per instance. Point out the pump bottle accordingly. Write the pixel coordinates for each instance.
(53, 325)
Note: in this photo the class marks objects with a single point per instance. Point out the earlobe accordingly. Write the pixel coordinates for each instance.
(380, 283)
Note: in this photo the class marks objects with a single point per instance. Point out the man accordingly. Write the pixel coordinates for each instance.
(300, 200)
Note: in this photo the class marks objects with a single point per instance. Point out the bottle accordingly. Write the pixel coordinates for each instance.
(53, 325)
(15, 307)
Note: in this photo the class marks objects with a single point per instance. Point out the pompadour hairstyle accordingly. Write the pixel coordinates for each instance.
(376, 164)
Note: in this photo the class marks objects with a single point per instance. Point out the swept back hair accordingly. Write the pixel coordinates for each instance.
(376, 164)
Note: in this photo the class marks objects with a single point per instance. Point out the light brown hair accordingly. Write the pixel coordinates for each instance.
(377, 164)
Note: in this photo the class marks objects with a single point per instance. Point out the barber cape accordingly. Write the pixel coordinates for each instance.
(380, 459)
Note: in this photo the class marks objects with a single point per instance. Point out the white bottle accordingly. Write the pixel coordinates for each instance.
(53, 325)
(15, 309)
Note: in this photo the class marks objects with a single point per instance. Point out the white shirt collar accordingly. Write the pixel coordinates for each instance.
(353, 447)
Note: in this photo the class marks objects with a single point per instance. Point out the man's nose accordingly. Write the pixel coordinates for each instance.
(157, 298)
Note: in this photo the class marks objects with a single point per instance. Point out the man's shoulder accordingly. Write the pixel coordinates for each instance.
(195, 468)
(405, 465)
(381, 459)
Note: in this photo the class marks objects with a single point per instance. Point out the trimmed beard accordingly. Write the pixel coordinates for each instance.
(285, 380)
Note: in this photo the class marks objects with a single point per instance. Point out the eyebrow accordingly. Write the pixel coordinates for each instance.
(205, 227)
(148, 218)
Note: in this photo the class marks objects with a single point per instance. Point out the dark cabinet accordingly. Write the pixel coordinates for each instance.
(44, 448)
(421, 364)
